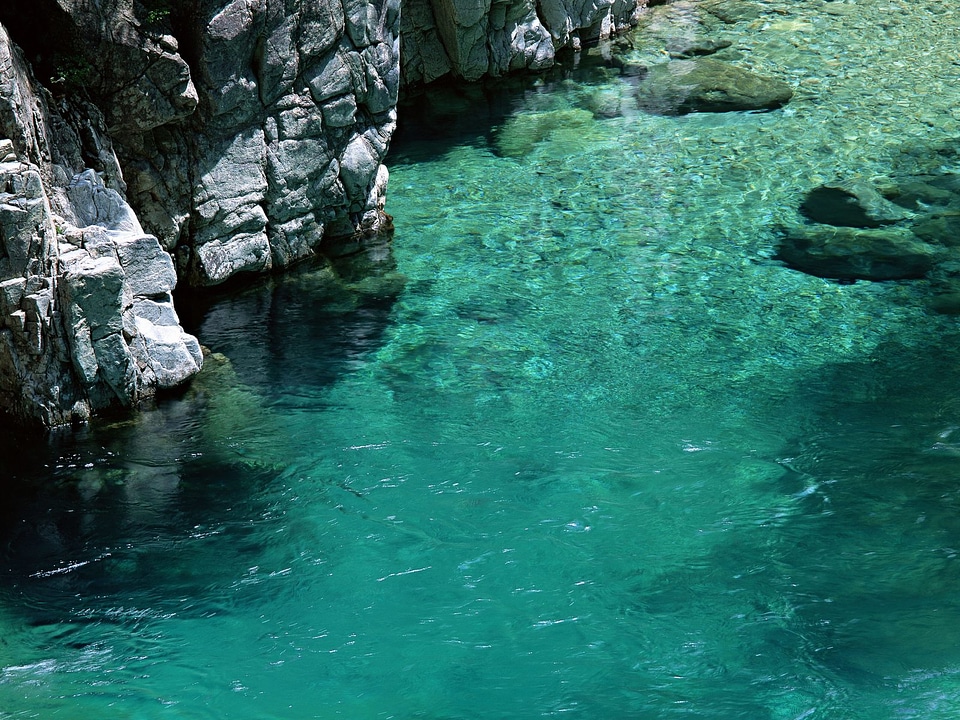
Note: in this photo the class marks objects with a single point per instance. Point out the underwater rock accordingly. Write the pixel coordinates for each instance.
(939, 228)
(691, 47)
(924, 190)
(946, 303)
(520, 134)
(845, 253)
(679, 87)
(731, 12)
(851, 203)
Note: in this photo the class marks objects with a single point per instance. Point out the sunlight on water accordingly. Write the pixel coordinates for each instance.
(574, 445)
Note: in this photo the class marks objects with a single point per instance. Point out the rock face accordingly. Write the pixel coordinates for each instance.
(472, 38)
(247, 130)
(86, 312)
(148, 141)
(705, 84)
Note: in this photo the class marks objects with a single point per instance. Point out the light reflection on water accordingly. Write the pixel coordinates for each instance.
(575, 446)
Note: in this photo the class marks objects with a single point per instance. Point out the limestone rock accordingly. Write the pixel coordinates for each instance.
(75, 269)
(856, 254)
(708, 85)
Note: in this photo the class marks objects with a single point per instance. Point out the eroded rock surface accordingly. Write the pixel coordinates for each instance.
(86, 312)
(248, 130)
(472, 38)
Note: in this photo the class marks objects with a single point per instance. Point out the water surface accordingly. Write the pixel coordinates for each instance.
(574, 444)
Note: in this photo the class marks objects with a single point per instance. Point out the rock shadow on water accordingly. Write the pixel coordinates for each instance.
(853, 581)
(447, 114)
(132, 514)
(178, 501)
(297, 333)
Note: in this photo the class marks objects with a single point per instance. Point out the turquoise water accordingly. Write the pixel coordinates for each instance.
(573, 444)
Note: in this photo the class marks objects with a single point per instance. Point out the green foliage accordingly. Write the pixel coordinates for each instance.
(157, 15)
(72, 72)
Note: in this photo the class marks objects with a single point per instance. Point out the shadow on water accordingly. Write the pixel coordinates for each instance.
(853, 580)
(298, 332)
(163, 506)
(447, 114)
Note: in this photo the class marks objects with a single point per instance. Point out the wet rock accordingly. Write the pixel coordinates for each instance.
(939, 228)
(915, 193)
(682, 48)
(846, 253)
(708, 85)
(521, 133)
(851, 203)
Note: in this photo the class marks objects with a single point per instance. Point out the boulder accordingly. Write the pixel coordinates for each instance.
(845, 253)
(851, 203)
(708, 85)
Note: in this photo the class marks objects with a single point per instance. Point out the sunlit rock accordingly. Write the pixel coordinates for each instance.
(679, 87)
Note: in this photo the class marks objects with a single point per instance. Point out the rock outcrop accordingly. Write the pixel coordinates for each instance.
(469, 39)
(151, 141)
(86, 312)
(248, 130)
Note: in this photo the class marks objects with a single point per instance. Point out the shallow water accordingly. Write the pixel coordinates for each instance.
(574, 444)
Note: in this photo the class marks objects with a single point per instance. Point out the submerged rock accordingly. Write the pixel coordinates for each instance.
(939, 228)
(845, 253)
(521, 133)
(731, 11)
(679, 87)
(851, 203)
(693, 47)
(915, 193)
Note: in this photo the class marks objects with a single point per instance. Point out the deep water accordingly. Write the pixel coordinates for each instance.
(573, 444)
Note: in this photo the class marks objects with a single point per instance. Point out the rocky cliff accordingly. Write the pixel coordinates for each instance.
(144, 142)
(469, 39)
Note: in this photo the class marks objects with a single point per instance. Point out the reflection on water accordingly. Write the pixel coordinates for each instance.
(572, 444)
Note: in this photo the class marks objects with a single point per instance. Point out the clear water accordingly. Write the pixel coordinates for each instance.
(573, 445)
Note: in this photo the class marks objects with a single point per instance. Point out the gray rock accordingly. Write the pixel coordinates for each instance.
(473, 38)
(846, 253)
(74, 262)
(708, 85)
